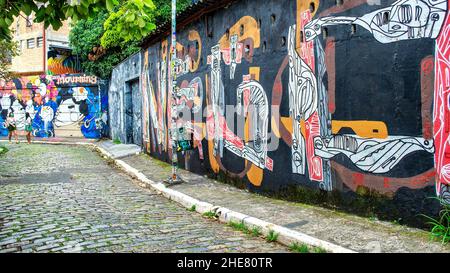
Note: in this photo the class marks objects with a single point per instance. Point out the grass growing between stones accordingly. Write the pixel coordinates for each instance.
(272, 236)
(255, 232)
(3, 150)
(303, 248)
(210, 215)
(192, 209)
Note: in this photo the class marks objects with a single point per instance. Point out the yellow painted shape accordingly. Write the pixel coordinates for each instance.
(251, 30)
(256, 72)
(362, 128)
(275, 129)
(287, 122)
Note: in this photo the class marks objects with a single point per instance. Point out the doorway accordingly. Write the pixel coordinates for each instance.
(133, 113)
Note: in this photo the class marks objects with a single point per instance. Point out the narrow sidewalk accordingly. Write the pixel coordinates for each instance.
(349, 231)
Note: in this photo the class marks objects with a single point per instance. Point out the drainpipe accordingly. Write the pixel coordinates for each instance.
(44, 48)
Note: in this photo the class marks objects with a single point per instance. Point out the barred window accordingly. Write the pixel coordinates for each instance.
(30, 43)
(40, 41)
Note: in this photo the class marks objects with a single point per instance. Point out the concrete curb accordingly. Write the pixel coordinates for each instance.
(285, 236)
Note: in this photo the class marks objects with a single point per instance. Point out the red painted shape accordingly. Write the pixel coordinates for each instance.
(386, 182)
(315, 168)
(358, 179)
(269, 164)
(441, 106)
(312, 124)
(330, 61)
(427, 88)
(381, 184)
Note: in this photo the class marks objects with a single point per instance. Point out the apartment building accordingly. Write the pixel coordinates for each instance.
(42, 51)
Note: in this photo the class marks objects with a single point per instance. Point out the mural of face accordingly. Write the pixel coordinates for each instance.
(68, 113)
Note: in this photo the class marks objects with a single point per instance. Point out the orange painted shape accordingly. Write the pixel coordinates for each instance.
(287, 122)
(362, 128)
(303, 127)
(255, 175)
(251, 30)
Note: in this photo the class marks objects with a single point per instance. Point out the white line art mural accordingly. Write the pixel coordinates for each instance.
(252, 100)
(403, 20)
(303, 105)
(372, 155)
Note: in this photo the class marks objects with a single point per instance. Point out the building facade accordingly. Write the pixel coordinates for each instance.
(42, 51)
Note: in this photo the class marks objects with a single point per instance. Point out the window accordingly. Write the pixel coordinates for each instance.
(39, 42)
(30, 43)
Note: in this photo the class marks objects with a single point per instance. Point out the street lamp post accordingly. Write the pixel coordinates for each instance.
(174, 112)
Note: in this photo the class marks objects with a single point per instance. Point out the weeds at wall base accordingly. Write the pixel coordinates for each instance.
(440, 226)
(363, 202)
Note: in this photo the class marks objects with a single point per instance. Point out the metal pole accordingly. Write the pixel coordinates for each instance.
(173, 76)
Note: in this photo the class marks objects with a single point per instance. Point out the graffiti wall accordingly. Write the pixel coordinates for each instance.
(125, 100)
(309, 93)
(60, 106)
(62, 62)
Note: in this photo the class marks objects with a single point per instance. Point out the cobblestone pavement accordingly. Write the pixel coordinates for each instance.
(350, 231)
(68, 199)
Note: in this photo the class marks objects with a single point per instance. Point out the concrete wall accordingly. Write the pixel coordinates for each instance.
(332, 97)
(58, 108)
(122, 77)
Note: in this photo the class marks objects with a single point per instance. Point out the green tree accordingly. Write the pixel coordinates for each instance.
(85, 36)
(110, 30)
(8, 50)
(133, 20)
(51, 12)
(54, 12)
